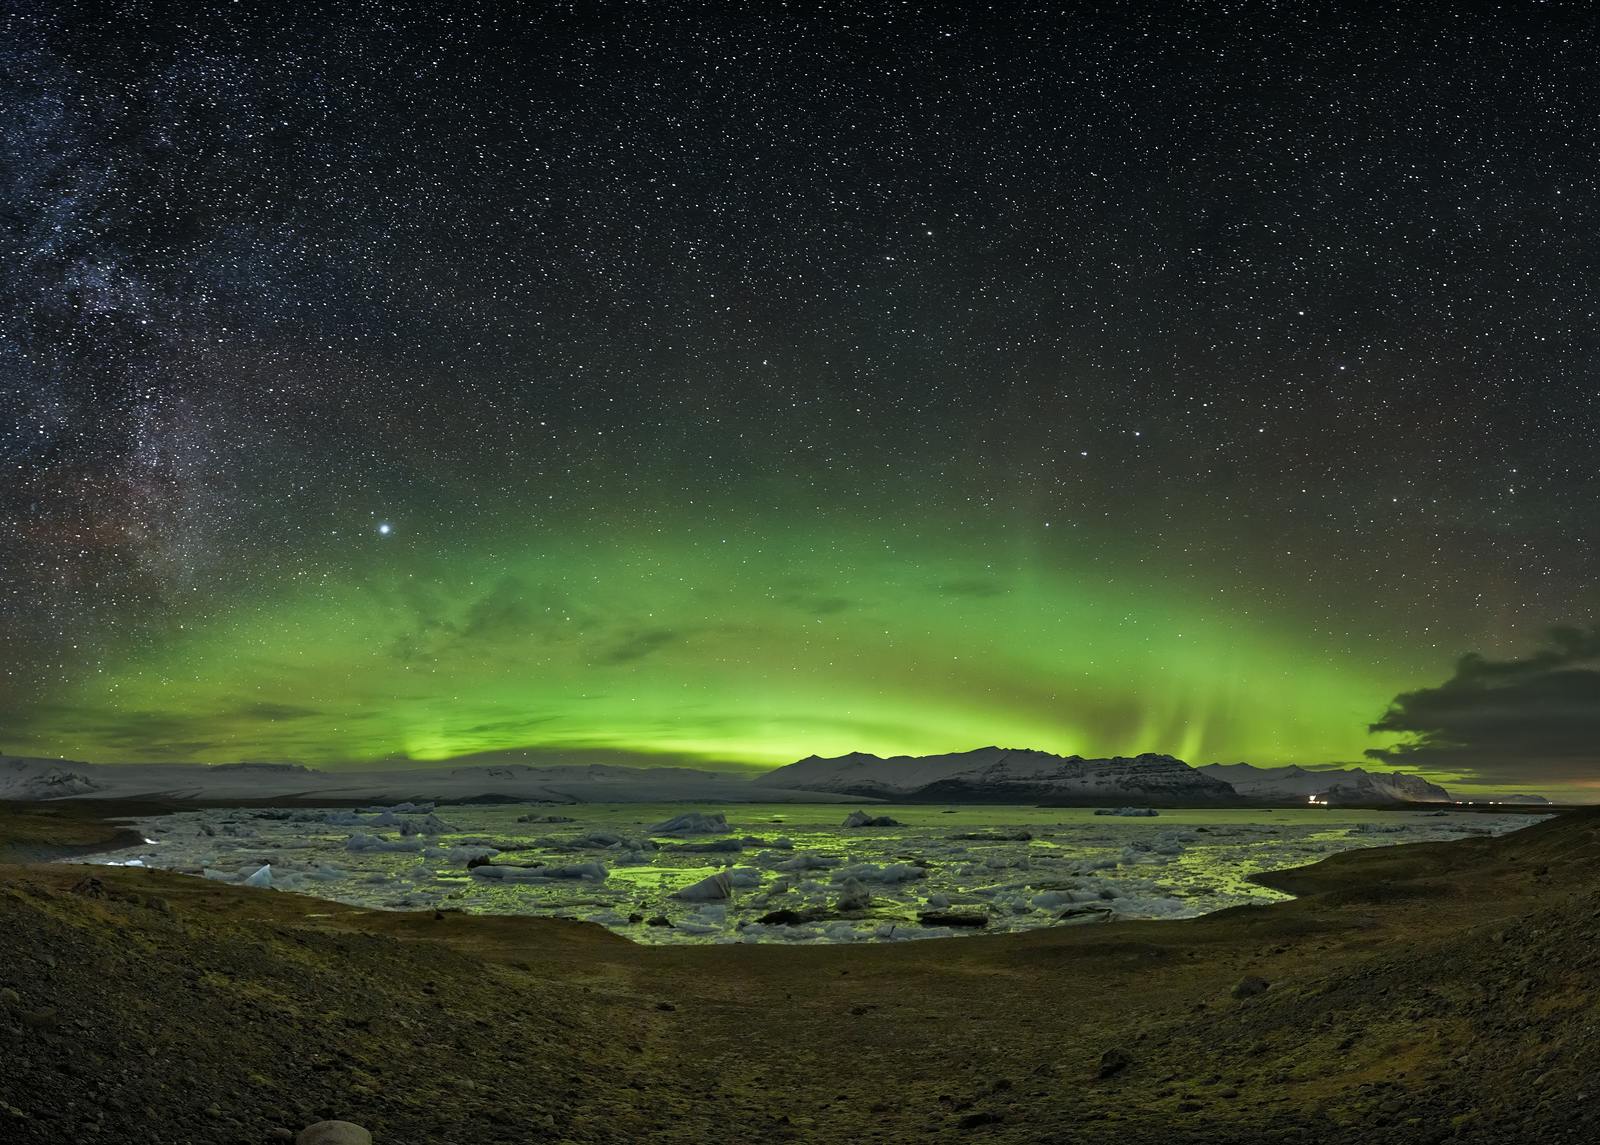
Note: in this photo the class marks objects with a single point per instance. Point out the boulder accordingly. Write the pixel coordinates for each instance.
(1114, 1061)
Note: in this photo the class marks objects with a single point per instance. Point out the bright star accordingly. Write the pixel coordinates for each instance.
(385, 529)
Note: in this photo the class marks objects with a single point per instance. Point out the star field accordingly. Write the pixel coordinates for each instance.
(682, 381)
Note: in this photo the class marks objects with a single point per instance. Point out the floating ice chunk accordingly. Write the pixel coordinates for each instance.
(712, 847)
(431, 825)
(514, 874)
(697, 926)
(693, 823)
(862, 819)
(361, 841)
(888, 873)
(807, 861)
(853, 895)
(463, 854)
(709, 889)
(744, 877)
(262, 877)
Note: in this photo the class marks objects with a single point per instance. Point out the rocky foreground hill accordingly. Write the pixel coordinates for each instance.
(1423, 993)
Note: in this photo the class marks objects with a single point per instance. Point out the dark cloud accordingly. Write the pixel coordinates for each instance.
(1533, 720)
(274, 713)
(127, 735)
(638, 644)
(509, 611)
(504, 613)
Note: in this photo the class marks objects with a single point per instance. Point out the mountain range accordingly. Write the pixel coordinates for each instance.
(995, 774)
(987, 774)
(1348, 785)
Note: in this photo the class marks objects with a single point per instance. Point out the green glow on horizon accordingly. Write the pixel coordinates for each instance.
(709, 647)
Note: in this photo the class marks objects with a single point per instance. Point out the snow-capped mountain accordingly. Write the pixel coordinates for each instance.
(991, 773)
(26, 780)
(1331, 785)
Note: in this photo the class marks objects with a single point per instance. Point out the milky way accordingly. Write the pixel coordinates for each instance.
(676, 382)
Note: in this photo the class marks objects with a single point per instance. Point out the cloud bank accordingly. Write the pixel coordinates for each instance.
(1530, 721)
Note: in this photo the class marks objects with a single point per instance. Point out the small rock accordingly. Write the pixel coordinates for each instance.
(979, 1119)
(1114, 1061)
(43, 1019)
(784, 917)
(333, 1133)
(1249, 986)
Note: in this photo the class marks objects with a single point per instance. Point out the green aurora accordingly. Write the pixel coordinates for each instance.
(720, 647)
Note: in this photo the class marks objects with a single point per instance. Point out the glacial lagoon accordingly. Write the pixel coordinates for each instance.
(982, 868)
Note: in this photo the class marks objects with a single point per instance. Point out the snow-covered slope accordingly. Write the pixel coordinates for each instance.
(31, 779)
(1003, 773)
(1334, 785)
(34, 779)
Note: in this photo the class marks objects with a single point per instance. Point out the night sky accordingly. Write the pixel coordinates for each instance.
(692, 383)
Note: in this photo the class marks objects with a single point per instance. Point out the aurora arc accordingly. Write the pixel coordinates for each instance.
(712, 647)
